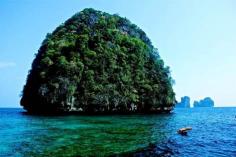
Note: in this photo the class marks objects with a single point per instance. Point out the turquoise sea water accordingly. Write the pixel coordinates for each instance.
(213, 134)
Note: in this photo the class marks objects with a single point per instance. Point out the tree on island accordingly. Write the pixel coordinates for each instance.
(97, 62)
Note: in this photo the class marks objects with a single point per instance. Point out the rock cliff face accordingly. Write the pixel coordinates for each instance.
(97, 62)
(185, 102)
(206, 102)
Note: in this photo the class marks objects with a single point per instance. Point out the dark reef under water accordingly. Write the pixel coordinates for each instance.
(213, 134)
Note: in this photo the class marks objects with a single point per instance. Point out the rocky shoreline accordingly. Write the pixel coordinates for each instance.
(165, 110)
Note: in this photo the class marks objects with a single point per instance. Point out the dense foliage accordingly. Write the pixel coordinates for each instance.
(97, 62)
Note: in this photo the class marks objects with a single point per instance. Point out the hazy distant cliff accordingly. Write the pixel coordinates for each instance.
(206, 102)
(184, 103)
(97, 62)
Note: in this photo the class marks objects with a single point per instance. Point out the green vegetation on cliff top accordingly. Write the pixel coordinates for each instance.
(97, 62)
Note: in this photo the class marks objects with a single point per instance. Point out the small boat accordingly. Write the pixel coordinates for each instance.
(184, 131)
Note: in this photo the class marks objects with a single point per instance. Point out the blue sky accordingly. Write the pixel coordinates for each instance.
(196, 38)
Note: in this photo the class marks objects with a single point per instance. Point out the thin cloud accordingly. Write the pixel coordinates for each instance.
(7, 64)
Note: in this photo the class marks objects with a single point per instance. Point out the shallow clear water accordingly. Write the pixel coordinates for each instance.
(213, 134)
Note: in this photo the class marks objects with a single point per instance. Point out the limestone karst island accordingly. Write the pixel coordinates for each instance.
(98, 63)
(185, 102)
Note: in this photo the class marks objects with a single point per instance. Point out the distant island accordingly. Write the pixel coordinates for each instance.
(185, 103)
(206, 102)
(98, 63)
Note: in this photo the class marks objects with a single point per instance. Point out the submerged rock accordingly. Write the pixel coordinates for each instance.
(97, 62)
